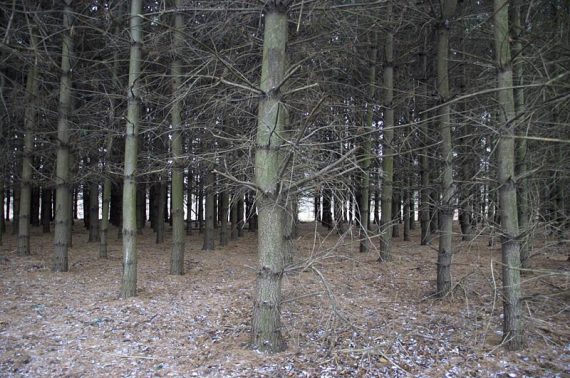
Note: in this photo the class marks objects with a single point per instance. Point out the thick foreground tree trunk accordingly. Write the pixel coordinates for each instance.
(129, 278)
(63, 203)
(178, 234)
(512, 308)
(446, 213)
(266, 330)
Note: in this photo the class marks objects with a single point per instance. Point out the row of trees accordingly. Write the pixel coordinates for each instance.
(375, 109)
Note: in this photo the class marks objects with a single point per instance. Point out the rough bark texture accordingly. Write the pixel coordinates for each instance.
(512, 308)
(387, 150)
(266, 324)
(210, 215)
(160, 211)
(240, 221)
(224, 210)
(30, 116)
(521, 165)
(189, 202)
(63, 203)
(446, 209)
(364, 203)
(178, 234)
(129, 277)
(93, 211)
(234, 219)
(425, 237)
(105, 206)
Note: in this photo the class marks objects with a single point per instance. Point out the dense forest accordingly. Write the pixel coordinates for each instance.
(294, 130)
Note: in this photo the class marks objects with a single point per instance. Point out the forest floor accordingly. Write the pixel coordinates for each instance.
(344, 313)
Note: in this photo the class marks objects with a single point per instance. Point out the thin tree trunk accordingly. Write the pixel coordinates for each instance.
(446, 209)
(105, 204)
(396, 213)
(209, 229)
(32, 88)
(46, 210)
(178, 234)
(189, 202)
(224, 209)
(129, 277)
(266, 330)
(200, 204)
(387, 150)
(521, 166)
(407, 220)
(160, 211)
(512, 307)
(63, 209)
(234, 219)
(15, 207)
(240, 221)
(93, 211)
(366, 158)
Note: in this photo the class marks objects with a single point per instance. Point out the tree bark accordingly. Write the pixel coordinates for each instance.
(178, 234)
(512, 308)
(266, 330)
(521, 166)
(366, 151)
(105, 204)
(387, 150)
(160, 212)
(129, 277)
(93, 211)
(224, 210)
(447, 187)
(30, 119)
(189, 202)
(210, 215)
(234, 219)
(46, 210)
(63, 209)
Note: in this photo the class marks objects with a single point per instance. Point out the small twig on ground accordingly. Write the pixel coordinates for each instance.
(377, 351)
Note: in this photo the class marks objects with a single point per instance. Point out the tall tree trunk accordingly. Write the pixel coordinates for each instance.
(407, 220)
(30, 119)
(240, 221)
(63, 209)
(521, 166)
(210, 215)
(446, 209)
(387, 150)
(93, 211)
(234, 218)
(512, 308)
(178, 234)
(129, 277)
(200, 204)
(188, 202)
(15, 207)
(266, 330)
(105, 203)
(224, 209)
(327, 220)
(46, 210)
(160, 211)
(396, 213)
(366, 153)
